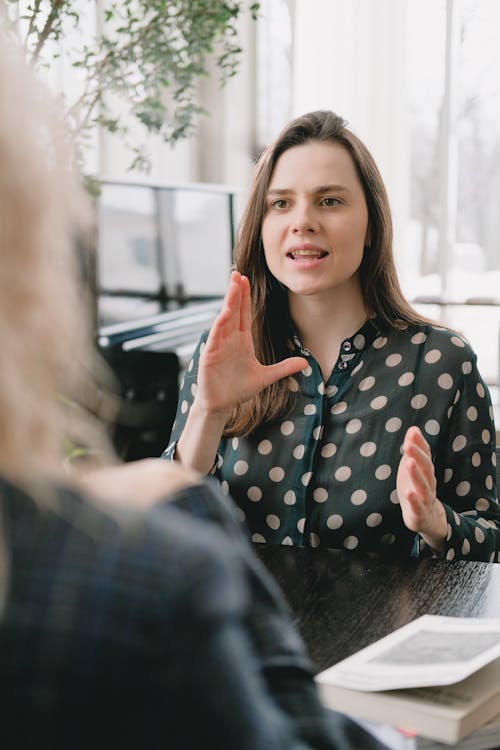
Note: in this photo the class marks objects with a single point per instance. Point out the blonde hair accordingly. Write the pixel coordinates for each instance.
(47, 353)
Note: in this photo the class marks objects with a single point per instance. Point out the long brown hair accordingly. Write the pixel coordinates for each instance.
(272, 327)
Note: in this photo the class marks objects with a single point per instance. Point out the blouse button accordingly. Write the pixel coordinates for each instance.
(343, 366)
(347, 346)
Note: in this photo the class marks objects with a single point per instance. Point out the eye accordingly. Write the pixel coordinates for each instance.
(328, 201)
(279, 203)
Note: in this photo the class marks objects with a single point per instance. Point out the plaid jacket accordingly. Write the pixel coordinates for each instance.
(155, 629)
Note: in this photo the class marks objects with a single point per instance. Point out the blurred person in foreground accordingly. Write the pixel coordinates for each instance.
(133, 612)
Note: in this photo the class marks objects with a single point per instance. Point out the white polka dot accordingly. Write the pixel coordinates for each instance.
(334, 522)
(287, 427)
(432, 427)
(406, 378)
(293, 385)
(357, 368)
(463, 488)
(343, 473)
(320, 495)
(393, 497)
(224, 487)
(287, 542)
(300, 525)
(313, 539)
(350, 542)
(276, 474)
(368, 449)
(194, 389)
(419, 338)
(472, 413)
(190, 365)
(184, 407)
(338, 408)
(203, 347)
(481, 504)
(445, 381)
(449, 532)
(485, 436)
(494, 458)
(298, 451)
(450, 554)
(258, 538)
(388, 539)
(254, 494)
(331, 390)
(379, 342)
(466, 368)
(459, 443)
(318, 432)
(240, 468)
(448, 473)
(358, 497)
(393, 360)
(479, 534)
(328, 450)
(309, 409)
(383, 471)
(465, 547)
(393, 424)
(476, 459)
(307, 371)
(290, 498)
(321, 388)
(265, 447)
(306, 478)
(379, 402)
(480, 390)
(220, 461)
(359, 341)
(488, 482)
(273, 521)
(353, 426)
(457, 396)
(367, 383)
(419, 401)
(458, 342)
(374, 519)
(433, 356)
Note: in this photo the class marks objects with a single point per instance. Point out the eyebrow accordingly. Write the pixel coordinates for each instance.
(317, 191)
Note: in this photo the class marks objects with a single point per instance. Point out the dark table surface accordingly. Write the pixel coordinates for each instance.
(343, 601)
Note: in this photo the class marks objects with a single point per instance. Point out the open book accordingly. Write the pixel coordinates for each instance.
(436, 676)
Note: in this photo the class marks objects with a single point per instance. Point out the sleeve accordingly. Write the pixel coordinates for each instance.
(466, 473)
(186, 398)
(259, 659)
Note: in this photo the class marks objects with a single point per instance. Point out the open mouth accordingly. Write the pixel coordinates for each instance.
(307, 254)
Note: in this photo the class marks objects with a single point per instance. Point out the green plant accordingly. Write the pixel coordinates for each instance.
(145, 60)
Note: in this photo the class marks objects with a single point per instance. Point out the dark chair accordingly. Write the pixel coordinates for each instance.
(147, 384)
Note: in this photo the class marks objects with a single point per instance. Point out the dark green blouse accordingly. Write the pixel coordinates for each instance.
(325, 475)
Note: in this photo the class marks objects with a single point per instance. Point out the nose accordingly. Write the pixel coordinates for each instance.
(303, 220)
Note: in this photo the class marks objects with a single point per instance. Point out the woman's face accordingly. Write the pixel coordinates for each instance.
(315, 225)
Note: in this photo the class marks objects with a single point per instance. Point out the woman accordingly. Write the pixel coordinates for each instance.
(330, 410)
(133, 613)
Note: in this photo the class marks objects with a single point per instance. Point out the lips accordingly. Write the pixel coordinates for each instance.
(306, 252)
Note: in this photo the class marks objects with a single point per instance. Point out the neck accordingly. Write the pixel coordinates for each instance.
(322, 323)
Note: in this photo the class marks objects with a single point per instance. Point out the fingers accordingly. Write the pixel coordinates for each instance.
(416, 447)
(227, 321)
(280, 370)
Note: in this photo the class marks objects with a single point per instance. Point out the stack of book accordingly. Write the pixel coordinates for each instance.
(433, 683)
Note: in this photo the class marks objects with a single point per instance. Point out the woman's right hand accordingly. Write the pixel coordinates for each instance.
(229, 372)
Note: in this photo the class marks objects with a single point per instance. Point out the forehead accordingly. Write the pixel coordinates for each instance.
(315, 164)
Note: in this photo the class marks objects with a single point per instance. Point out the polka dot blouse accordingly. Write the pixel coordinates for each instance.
(325, 475)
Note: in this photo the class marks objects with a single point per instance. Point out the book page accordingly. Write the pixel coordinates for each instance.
(431, 650)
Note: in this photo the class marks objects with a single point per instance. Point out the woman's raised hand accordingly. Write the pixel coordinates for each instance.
(416, 488)
(229, 372)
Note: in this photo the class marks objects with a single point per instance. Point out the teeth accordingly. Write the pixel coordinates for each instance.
(307, 254)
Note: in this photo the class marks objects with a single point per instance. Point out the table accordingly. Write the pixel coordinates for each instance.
(343, 601)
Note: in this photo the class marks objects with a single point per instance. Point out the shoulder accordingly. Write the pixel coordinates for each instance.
(434, 344)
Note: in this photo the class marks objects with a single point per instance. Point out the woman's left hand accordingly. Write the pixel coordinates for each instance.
(416, 488)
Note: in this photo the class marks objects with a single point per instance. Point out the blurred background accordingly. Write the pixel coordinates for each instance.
(417, 80)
